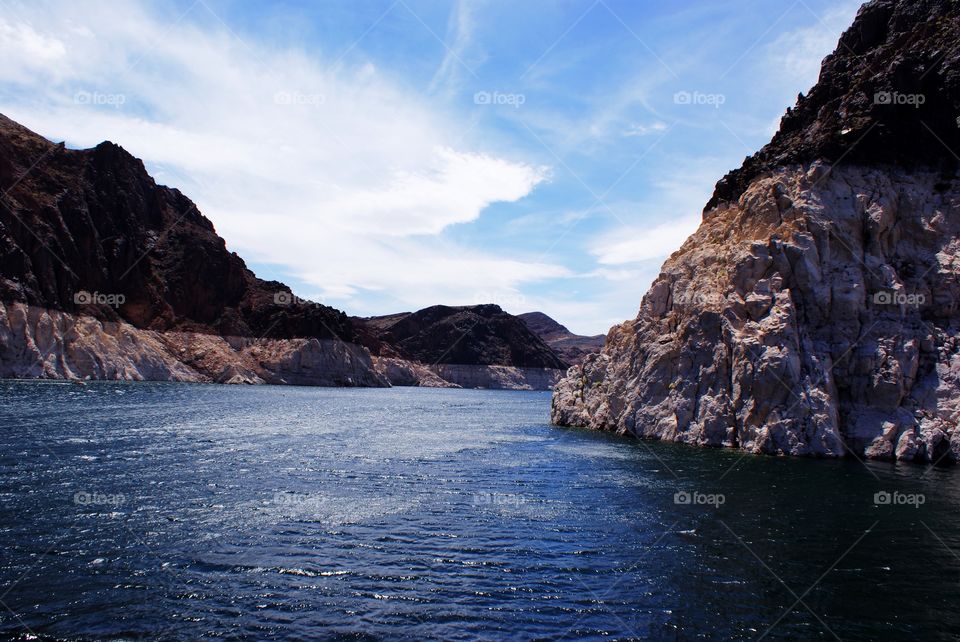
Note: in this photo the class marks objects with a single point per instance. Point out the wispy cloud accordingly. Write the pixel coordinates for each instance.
(638, 129)
(346, 151)
(796, 54)
(644, 243)
(459, 37)
(340, 174)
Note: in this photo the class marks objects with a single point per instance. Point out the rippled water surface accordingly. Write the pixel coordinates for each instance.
(184, 512)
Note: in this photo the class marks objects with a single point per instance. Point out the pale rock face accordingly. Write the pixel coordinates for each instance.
(816, 316)
(50, 344)
(498, 377)
(37, 343)
(401, 372)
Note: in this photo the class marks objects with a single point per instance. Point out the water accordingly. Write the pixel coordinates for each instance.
(184, 512)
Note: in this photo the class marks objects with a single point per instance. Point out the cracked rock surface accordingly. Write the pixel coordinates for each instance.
(814, 312)
(815, 316)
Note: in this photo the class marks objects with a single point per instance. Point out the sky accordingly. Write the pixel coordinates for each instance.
(386, 155)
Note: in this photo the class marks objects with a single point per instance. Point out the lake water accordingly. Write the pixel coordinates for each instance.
(181, 512)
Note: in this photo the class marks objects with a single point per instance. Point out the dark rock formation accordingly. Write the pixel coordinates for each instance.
(572, 348)
(78, 222)
(889, 94)
(815, 310)
(471, 335)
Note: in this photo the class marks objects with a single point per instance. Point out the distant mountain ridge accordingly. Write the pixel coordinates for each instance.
(572, 348)
(469, 335)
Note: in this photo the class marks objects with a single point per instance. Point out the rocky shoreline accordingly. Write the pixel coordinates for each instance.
(40, 343)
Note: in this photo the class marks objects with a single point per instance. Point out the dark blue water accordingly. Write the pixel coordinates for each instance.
(182, 512)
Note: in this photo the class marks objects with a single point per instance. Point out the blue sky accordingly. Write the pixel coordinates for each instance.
(382, 156)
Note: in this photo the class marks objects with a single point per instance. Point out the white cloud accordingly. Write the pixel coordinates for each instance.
(341, 175)
(33, 50)
(453, 188)
(460, 30)
(644, 244)
(637, 129)
(795, 56)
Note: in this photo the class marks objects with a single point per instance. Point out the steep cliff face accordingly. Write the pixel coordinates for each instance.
(89, 232)
(814, 312)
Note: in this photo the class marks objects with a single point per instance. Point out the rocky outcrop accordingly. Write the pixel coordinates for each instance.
(572, 348)
(400, 372)
(814, 312)
(38, 343)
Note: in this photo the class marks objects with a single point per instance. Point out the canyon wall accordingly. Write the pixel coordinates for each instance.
(816, 316)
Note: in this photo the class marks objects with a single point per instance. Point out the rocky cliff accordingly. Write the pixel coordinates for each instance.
(814, 312)
(106, 275)
(90, 233)
(43, 343)
(572, 348)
